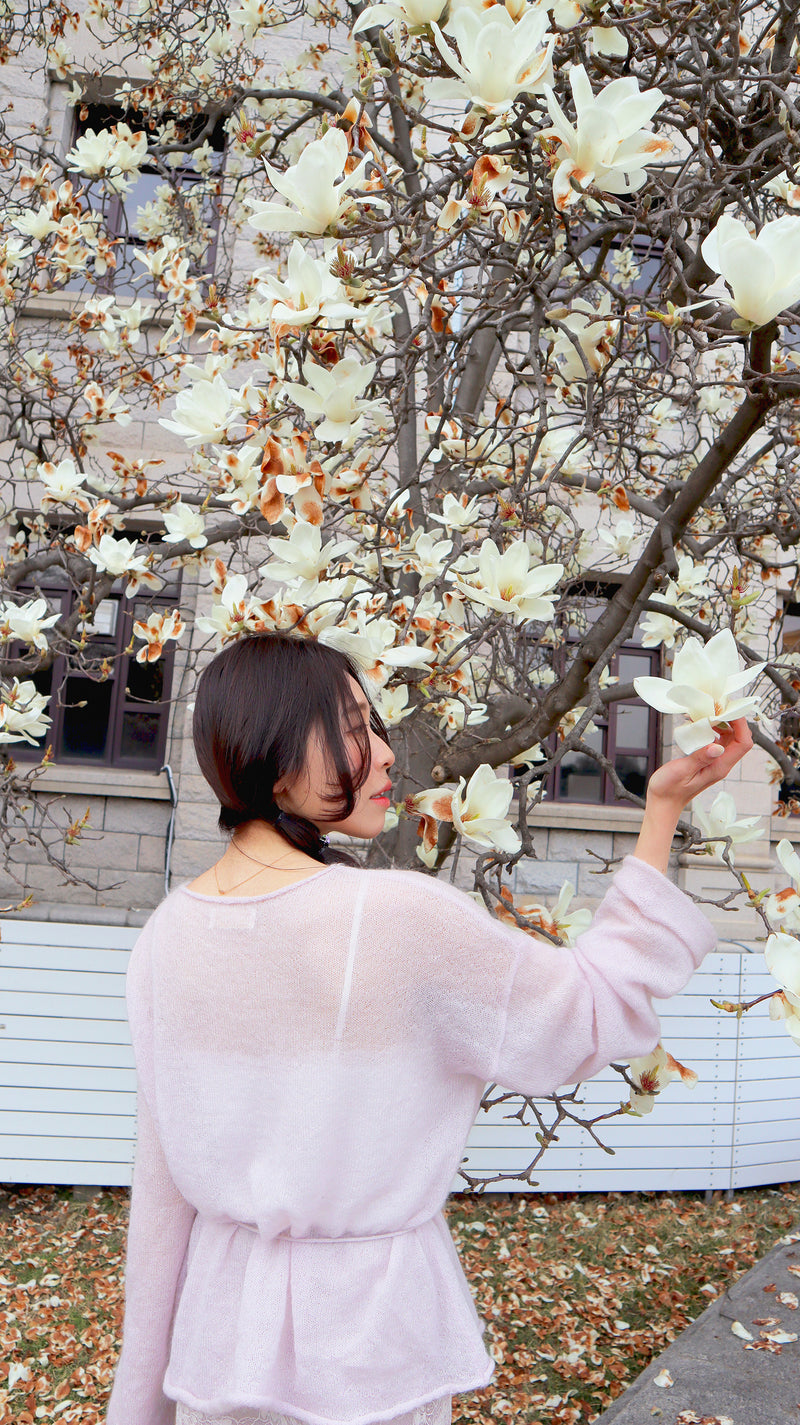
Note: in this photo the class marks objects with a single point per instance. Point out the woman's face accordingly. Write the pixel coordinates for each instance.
(302, 797)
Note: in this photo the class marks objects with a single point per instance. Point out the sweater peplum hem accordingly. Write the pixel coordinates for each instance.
(325, 1336)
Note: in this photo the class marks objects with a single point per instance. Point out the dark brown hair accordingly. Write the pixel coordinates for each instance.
(257, 704)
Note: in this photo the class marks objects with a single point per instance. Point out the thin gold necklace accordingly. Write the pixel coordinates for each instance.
(268, 865)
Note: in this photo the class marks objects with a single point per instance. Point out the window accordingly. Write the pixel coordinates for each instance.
(627, 731)
(789, 725)
(110, 711)
(182, 201)
(627, 735)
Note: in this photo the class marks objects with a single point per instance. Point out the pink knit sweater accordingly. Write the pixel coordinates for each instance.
(310, 1063)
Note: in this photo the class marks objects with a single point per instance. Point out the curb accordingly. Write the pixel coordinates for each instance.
(717, 1380)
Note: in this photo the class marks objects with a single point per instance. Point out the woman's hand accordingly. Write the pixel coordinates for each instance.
(672, 787)
(678, 781)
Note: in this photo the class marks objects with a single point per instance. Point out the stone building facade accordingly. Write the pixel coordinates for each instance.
(150, 830)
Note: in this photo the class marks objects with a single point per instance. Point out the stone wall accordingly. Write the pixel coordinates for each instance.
(121, 857)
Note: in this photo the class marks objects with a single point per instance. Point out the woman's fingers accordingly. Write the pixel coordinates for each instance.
(715, 761)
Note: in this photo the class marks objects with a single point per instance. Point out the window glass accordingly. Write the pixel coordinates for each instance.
(627, 731)
(112, 715)
(139, 733)
(126, 216)
(633, 665)
(86, 718)
(633, 725)
(789, 792)
(580, 778)
(632, 771)
(145, 681)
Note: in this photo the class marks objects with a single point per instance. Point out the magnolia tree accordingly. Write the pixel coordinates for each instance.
(517, 313)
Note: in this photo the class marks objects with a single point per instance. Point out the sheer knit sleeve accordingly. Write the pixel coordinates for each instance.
(159, 1227)
(531, 1016)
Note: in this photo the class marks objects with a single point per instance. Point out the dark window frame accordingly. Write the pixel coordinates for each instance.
(789, 723)
(607, 721)
(122, 702)
(102, 114)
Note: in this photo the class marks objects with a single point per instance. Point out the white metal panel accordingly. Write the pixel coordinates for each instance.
(67, 980)
(50, 1078)
(67, 1073)
(761, 1174)
(53, 1169)
(64, 933)
(68, 1082)
(39, 1028)
(61, 1006)
(57, 957)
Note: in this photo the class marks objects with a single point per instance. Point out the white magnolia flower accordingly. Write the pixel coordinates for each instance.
(762, 272)
(310, 291)
(532, 754)
(692, 578)
(458, 513)
(454, 715)
(252, 15)
(658, 628)
(608, 40)
(716, 402)
(557, 441)
(36, 223)
(22, 716)
(782, 954)
(620, 538)
(477, 809)
(315, 185)
(781, 1006)
(183, 522)
(159, 628)
(373, 644)
(202, 412)
(427, 555)
(720, 820)
(589, 330)
(608, 145)
(62, 481)
(705, 679)
(784, 187)
(480, 807)
(413, 13)
(433, 805)
(116, 156)
(26, 622)
(335, 395)
(499, 58)
(302, 556)
(783, 907)
(235, 612)
(559, 920)
(651, 1073)
(392, 705)
(119, 557)
(504, 580)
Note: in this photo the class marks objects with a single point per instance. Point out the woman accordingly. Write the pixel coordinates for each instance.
(312, 1042)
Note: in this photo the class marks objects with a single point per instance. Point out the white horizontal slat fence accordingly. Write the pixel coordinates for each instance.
(68, 1082)
(739, 1126)
(67, 1073)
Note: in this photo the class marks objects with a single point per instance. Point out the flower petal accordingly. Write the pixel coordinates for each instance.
(694, 735)
(657, 692)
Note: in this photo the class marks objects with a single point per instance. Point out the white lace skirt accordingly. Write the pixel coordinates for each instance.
(434, 1412)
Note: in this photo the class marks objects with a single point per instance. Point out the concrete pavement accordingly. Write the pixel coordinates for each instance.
(719, 1378)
